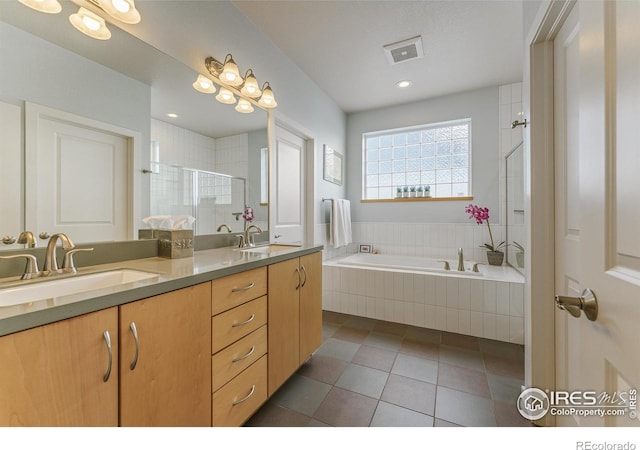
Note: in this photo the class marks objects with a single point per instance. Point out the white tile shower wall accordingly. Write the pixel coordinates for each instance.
(232, 155)
(482, 308)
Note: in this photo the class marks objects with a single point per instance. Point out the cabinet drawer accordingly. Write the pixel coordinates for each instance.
(234, 290)
(236, 323)
(233, 404)
(229, 362)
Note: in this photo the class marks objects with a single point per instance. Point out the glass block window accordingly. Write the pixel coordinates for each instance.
(434, 155)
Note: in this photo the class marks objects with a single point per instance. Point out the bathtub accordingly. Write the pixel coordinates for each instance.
(410, 263)
(420, 292)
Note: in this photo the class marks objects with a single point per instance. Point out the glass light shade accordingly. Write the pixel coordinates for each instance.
(251, 87)
(123, 10)
(244, 106)
(45, 6)
(230, 74)
(267, 100)
(90, 24)
(226, 96)
(204, 85)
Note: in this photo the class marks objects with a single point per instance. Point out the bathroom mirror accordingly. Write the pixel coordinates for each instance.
(515, 231)
(127, 83)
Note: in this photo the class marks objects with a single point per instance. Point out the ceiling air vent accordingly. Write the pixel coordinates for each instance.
(404, 50)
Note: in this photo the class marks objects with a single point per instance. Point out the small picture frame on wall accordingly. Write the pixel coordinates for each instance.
(365, 248)
(332, 165)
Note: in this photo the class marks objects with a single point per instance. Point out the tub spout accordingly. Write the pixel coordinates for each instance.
(460, 260)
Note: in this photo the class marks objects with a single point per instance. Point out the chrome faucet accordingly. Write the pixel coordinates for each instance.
(248, 237)
(460, 260)
(27, 237)
(224, 225)
(50, 260)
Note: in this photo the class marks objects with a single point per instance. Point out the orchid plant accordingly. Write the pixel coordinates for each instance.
(481, 215)
(248, 214)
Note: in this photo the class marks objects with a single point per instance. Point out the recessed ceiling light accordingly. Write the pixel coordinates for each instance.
(172, 115)
(403, 83)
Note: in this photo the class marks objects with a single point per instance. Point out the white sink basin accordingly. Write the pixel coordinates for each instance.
(269, 248)
(56, 287)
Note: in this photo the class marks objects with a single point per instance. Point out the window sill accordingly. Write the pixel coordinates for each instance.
(417, 199)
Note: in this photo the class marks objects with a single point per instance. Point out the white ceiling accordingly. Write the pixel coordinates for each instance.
(339, 44)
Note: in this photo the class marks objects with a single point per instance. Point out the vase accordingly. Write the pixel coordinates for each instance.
(495, 258)
(520, 259)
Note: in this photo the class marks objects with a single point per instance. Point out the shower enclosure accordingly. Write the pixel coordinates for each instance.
(515, 230)
(212, 198)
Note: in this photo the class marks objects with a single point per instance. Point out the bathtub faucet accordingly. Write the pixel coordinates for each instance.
(460, 260)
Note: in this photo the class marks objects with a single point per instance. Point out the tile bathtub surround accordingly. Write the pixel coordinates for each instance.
(434, 240)
(371, 373)
(472, 307)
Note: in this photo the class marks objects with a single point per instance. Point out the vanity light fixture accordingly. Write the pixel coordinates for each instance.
(250, 88)
(123, 10)
(230, 74)
(267, 100)
(226, 96)
(90, 24)
(247, 88)
(45, 6)
(88, 20)
(244, 106)
(204, 85)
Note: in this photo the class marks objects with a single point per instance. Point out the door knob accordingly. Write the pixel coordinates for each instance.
(587, 302)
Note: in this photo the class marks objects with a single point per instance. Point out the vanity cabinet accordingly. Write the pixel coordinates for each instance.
(238, 346)
(61, 374)
(294, 315)
(165, 367)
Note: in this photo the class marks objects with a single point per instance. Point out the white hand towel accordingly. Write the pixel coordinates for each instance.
(340, 227)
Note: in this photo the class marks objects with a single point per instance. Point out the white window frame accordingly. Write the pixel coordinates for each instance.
(406, 130)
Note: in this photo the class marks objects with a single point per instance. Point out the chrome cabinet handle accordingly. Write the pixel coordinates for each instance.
(299, 279)
(305, 276)
(134, 331)
(239, 324)
(253, 347)
(245, 288)
(237, 402)
(587, 302)
(107, 340)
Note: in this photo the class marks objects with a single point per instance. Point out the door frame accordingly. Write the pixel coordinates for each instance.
(538, 103)
(277, 119)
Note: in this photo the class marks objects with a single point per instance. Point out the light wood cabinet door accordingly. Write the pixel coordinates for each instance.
(310, 305)
(170, 384)
(54, 375)
(283, 321)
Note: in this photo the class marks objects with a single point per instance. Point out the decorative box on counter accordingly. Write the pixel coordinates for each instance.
(174, 243)
(175, 240)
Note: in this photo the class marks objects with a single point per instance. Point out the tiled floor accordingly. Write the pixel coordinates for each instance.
(374, 373)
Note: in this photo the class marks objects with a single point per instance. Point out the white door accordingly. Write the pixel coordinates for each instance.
(287, 188)
(77, 180)
(597, 195)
